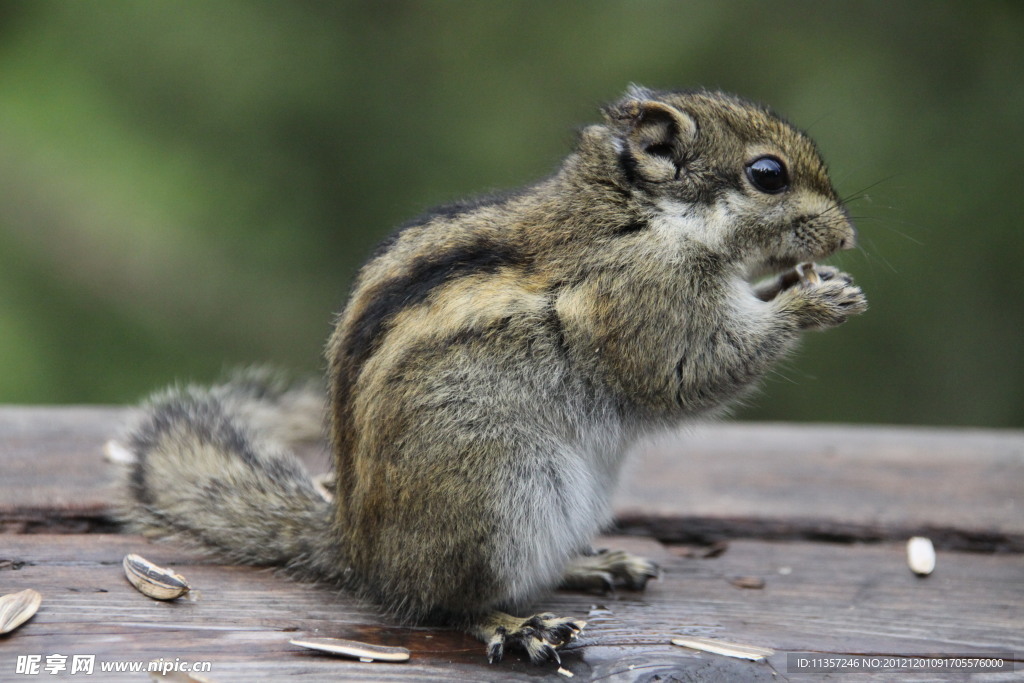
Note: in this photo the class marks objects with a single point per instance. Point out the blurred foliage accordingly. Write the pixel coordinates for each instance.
(187, 186)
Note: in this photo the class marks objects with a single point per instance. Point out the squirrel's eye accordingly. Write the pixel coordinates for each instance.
(768, 174)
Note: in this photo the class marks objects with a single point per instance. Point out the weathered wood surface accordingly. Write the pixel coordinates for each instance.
(962, 487)
(795, 486)
(827, 598)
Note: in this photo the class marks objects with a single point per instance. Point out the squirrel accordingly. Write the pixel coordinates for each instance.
(495, 360)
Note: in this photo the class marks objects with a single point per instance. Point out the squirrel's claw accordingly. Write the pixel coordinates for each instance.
(539, 636)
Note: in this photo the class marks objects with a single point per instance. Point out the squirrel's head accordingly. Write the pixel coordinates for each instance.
(710, 168)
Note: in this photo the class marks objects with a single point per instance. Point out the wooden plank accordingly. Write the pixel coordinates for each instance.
(822, 598)
(54, 474)
(961, 487)
(824, 482)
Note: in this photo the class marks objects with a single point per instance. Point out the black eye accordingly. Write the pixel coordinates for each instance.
(768, 174)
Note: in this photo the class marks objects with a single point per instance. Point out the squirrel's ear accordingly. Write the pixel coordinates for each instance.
(654, 130)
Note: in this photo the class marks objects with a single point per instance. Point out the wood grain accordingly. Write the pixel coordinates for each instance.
(791, 487)
(821, 482)
(770, 481)
(816, 598)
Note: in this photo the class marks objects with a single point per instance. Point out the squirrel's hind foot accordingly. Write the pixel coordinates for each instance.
(540, 635)
(607, 570)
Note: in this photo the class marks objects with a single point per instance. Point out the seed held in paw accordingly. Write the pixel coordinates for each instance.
(808, 275)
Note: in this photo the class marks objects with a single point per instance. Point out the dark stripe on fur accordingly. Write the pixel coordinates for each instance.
(628, 164)
(413, 288)
(630, 228)
(484, 255)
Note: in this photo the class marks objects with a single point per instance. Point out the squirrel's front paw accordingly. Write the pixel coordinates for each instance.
(825, 301)
(540, 635)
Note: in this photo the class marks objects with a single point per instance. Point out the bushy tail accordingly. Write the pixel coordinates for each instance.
(212, 467)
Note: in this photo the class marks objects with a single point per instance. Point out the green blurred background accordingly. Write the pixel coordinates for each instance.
(189, 186)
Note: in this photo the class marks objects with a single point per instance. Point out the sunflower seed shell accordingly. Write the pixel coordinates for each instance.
(921, 555)
(116, 453)
(152, 580)
(721, 647)
(364, 652)
(807, 274)
(17, 608)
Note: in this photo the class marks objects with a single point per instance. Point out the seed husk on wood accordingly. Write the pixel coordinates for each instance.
(116, 453)
(921, 555)
(177, 676)
(721, 647)
(152, 580)
(754, 582)
(364, 652)
(17, 608)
